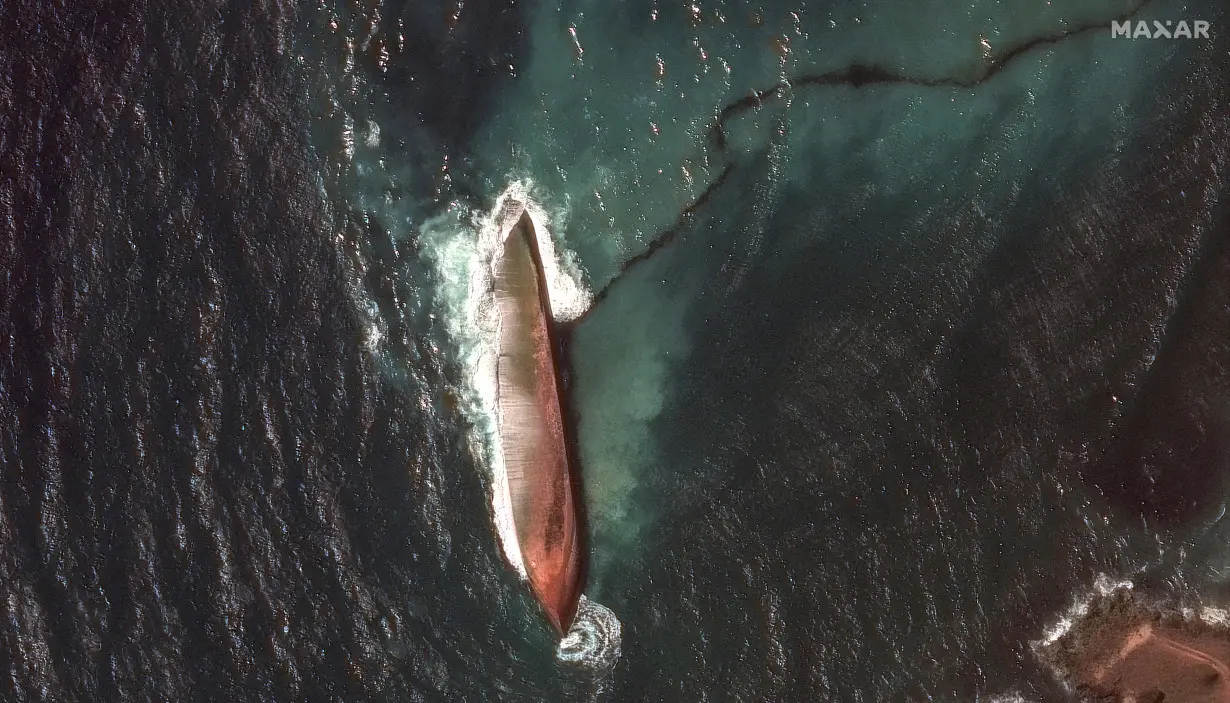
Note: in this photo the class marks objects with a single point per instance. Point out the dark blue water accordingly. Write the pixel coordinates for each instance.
(900, 345)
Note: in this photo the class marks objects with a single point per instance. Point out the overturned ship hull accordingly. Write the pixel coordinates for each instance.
(541, 493)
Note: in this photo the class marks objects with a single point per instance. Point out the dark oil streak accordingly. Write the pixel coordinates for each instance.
(666, 237)
(860, 75)
(854, 76)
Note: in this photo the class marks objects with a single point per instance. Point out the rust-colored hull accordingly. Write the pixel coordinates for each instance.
(532, 431)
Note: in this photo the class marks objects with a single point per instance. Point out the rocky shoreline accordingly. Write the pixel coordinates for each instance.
(1123, 649)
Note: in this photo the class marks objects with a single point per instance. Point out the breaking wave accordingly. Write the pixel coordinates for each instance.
(593, 641)
(1103, 586)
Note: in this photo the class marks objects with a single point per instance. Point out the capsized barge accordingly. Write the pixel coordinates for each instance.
(533, 436)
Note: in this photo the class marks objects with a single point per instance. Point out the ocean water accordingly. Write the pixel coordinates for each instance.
(893, 332)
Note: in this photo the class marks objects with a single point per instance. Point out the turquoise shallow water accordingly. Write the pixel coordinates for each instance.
(892, 333)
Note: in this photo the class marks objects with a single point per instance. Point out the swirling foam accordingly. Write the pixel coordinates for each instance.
(593, 641)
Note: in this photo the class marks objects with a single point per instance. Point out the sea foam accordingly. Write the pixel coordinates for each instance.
(594, 639)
